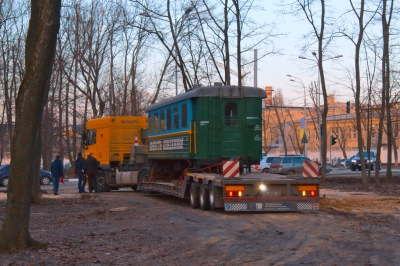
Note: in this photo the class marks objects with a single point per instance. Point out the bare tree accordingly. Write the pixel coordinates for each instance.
(386, 20)
(32, 96)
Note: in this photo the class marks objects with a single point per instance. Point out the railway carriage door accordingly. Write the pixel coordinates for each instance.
(231, 134)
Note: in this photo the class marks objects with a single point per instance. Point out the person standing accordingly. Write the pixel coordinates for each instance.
(57, 172)
(79, 171)
(90, 169)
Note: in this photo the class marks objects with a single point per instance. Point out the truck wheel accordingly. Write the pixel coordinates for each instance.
(102, 182)
(194, 195)
(353, 168)
(204, 197)
(142, 176)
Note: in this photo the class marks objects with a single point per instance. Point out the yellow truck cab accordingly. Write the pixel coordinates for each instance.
(109, 139)
(119, 144)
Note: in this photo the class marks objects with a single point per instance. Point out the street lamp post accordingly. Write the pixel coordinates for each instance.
(186, 12)
(298, 80)
(319, 94)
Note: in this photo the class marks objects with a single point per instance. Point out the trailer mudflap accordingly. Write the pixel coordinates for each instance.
(272, 206)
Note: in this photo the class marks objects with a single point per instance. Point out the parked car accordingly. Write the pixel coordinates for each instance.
(291, 165)
(265, 163)
(369, 161)
(348, 161)
(45, 176)
(287, 165)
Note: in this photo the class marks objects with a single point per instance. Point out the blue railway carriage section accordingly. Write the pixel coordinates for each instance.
(200, 145)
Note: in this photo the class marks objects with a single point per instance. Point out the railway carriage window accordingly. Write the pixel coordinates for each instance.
(91, 137)
(155, 122)
(162, 120)
(176, 117)
(150, 124)
(184, 115)
(231, 114)
(169, 119)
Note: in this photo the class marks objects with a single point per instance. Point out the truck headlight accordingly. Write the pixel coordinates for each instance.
(263, 188)
(353, 161)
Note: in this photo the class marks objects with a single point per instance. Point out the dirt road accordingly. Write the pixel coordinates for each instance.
(131, 228)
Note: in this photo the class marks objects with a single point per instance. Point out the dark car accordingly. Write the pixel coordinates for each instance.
(369, 161)
(348, 161)
(45, 176)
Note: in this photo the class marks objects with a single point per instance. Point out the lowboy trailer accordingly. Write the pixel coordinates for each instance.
(248, 192)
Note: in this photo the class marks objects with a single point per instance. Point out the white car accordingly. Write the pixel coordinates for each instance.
(265, 163)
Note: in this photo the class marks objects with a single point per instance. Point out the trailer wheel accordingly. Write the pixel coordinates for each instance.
(204, 197)
(102, 182)
(194, 195)
(213, 191)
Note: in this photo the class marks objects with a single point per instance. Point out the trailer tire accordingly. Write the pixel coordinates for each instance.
(194, 195)
(102, 184)
(213, 192)
(204, 197)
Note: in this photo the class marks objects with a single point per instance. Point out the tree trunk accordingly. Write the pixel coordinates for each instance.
(32, 96)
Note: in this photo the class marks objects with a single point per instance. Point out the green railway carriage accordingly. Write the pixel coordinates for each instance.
(204, 126)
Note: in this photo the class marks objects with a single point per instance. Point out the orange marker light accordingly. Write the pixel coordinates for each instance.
(230, 193)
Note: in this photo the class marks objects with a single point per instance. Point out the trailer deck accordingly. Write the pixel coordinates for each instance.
(248, 192)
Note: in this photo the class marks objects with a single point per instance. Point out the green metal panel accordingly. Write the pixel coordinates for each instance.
(231, 119)
(253, 128)
(208, 132)
(174, 147)
(220, 136)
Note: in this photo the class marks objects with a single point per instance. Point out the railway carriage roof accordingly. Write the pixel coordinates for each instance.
(221, 91)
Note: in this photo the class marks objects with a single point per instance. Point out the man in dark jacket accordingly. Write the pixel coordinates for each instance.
(57, 173)
(79, 171)
(90, 169)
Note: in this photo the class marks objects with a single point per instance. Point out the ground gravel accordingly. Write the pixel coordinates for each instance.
(353, 227)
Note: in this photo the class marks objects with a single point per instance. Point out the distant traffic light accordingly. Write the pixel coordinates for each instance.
(348, 107)
(333, 140)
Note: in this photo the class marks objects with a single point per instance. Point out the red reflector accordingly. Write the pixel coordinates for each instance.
(235, 193)
(256, 166)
